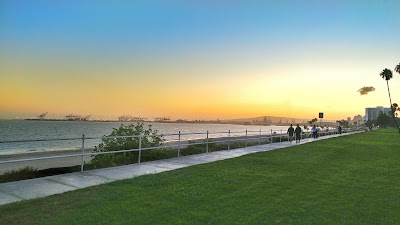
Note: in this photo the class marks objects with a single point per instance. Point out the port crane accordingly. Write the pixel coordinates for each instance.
(85, 118)
(126, 118)
(162, 119)
(73, 117)
(41, 116)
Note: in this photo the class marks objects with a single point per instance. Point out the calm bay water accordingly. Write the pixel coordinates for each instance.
(28, 130)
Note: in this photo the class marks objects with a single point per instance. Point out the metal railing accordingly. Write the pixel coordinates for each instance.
(231, 137)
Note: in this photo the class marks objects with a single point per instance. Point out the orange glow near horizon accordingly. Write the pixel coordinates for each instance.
(236, 96)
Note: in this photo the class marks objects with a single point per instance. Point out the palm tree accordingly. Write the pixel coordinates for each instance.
(386, 74)
(397, 69)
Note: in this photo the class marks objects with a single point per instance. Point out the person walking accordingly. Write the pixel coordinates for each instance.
(290, 131)
(340, 129)
(297, 131)
(314, 131)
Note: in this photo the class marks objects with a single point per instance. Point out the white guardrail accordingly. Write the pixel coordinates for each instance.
(231, 137)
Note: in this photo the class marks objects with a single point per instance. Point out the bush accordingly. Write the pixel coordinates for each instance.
(193, 149)
(149, 139)
(20, 174)
(30, 173)
(157, 154)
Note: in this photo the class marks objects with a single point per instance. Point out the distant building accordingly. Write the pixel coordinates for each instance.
(373, 113)
(358, 120)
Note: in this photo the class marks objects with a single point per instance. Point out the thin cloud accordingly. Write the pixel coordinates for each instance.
(365, 90)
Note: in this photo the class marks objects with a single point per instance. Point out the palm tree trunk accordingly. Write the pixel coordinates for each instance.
(390, 98)
(391, 107)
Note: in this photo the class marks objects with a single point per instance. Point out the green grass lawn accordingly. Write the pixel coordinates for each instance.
(348, 180)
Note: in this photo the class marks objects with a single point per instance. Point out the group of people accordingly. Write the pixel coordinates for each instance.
(296, 131)
(291, 131)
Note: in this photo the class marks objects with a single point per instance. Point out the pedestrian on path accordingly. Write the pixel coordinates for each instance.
(314, 131)
(340, 129)
(297, 131)
(290, 131)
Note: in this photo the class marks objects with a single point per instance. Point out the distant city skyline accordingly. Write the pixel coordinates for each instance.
(197, 60)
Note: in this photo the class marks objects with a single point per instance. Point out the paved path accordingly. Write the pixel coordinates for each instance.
(41, 187)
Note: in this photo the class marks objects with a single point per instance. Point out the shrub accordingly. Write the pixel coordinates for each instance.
(30, 173)
(149, 139)
(19, 174)
(157, 154)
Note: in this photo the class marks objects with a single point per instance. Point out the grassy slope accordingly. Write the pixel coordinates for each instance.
(347, 180)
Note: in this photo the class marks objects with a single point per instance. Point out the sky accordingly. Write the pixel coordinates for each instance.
(196, 59)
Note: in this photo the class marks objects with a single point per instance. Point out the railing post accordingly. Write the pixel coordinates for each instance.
(280, 136)
(207, 143)
(259, 138)
(245, 141)
(140, 148)
(179, 143)
(83, 152)
(229, 139)
(271, 136)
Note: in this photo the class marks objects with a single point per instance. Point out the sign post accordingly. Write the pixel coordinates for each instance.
(321, 116)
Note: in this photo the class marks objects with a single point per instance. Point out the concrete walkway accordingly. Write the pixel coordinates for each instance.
(42, 187)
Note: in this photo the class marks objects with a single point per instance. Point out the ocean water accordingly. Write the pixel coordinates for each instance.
(12, 130)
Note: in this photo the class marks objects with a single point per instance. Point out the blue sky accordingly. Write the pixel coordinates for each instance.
(152, 25)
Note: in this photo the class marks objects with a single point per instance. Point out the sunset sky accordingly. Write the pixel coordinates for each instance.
(196, 59)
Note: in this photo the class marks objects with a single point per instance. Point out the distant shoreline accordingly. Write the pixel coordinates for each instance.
(181, 122)
(145, 121)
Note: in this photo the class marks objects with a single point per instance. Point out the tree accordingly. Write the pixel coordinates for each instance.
(149, 138)
(386, 74)
(383, 120)
(396, 107)
(313, 121)
(343, 123)
(370, 123)
(397, 69)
